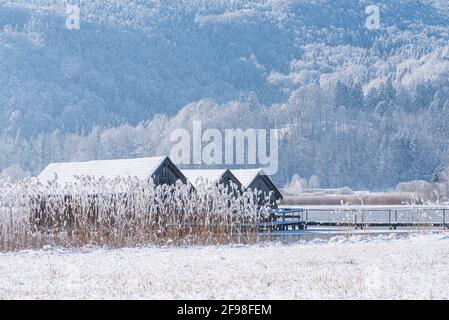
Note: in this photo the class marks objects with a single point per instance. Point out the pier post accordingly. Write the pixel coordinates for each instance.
(395, 218)
(307, 219)
(389, 219)
(361, 227)
(444, 219)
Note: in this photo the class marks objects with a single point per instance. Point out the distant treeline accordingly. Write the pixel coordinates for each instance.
(353, 145)
(360, 108)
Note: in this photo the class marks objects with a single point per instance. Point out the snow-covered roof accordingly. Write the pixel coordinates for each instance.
(247, 176)
(141, 168)
(196, 177)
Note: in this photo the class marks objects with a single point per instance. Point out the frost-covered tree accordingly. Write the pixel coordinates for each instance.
(357, 107)
(13, 173)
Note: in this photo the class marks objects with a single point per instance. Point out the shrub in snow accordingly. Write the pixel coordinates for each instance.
(346, 190)
(423, 190)
(14, 173)
(314, 182)
(295, 186)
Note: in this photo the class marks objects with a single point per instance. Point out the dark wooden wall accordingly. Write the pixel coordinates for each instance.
(228, 178)
(166, 174)
(260, 184)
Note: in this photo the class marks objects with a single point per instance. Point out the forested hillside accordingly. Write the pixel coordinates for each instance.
(358, 107)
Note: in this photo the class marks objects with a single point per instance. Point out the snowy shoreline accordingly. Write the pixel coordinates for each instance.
(359, 267)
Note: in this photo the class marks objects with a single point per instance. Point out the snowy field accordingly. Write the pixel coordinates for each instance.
(373, 267)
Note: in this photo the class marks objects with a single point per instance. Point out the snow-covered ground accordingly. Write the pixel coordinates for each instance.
(416, 267)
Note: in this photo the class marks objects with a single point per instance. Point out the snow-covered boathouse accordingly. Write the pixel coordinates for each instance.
(211, 176)
(257, 179)
(161, 169)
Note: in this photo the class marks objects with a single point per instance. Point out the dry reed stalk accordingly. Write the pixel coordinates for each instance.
(123, 212)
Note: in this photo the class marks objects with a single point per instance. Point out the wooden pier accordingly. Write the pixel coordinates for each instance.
(298, 218)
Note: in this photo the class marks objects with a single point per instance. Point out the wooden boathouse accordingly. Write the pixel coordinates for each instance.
(161, 169)
(212, 176)
(253, 179)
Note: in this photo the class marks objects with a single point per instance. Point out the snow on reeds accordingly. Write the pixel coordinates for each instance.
(123, 212)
